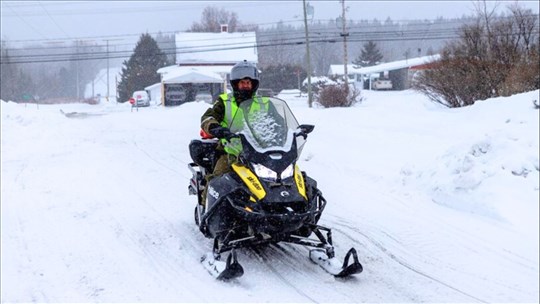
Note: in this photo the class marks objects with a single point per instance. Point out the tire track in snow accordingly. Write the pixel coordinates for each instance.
(156, 160)
(349, 231)
(154, 244)
(287, 263)
(268, 264)
(402, 210)
(291, 265)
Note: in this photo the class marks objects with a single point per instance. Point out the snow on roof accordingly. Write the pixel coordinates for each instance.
(151, 87)
(167, 69)
(172, 71)
(338, 69)
(219, 69)
(216, 47)
(192, 75)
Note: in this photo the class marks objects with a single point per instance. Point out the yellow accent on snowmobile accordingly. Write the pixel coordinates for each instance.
(299, 179)
(251, 180)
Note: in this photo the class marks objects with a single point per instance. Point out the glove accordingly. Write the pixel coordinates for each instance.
(220, 132)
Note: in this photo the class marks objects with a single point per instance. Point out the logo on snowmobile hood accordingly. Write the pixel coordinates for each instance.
(251, 180)
(213, 192)
(300, 181)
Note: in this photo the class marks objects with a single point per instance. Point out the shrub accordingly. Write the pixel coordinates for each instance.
(455, 82)
(493, 57)
(523, 77)
(336, 95)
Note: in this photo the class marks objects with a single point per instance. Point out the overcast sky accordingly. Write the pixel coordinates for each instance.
(39, 21)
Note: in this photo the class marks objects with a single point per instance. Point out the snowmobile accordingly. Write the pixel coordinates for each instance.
(265, 199)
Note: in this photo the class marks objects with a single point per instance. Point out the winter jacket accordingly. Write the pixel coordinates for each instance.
(218, 115)
(215, 114)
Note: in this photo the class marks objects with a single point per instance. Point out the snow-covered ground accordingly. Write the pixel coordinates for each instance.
(441, 204)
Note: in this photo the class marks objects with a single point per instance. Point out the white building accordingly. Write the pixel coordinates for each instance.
(400, 72)
(222, 48)
(204, 56)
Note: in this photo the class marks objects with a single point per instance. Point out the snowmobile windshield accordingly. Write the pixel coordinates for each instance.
(267, 124)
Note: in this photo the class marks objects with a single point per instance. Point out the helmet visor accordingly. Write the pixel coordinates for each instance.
(241, 72)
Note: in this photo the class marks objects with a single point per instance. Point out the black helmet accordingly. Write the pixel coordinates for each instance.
(243, 70)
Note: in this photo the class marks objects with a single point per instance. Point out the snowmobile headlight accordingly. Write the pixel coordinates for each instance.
(288, 172)
(264, 172)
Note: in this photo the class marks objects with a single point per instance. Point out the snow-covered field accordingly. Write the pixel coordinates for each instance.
(441, 204)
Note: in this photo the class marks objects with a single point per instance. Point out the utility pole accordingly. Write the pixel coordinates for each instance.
(107, 98)
(310, 101)
(344, 34)
(77, 69)
(108, 56)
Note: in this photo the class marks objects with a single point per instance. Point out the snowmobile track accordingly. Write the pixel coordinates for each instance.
(392, 256)
(261, 256)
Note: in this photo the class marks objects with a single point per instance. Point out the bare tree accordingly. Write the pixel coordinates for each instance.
(526, 23)
(486, 15)
(323, 55)
(275, 45)
(493, 57)
(212, 18)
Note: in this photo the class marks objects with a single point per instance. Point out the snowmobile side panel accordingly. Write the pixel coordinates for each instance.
(219, 216)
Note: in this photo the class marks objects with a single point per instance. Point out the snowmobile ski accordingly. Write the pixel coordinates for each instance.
(223, 270)
(334, 266)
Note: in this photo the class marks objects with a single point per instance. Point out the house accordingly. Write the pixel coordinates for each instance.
(202, 58)
(154, 91)
(399, 72)
(183, 84)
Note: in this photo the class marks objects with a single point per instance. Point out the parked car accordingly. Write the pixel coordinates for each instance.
(141, 99)
(382, 84)
(266, 92)
(204, 96)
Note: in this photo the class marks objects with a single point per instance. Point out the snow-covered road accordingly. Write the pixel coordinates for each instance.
(442, 205)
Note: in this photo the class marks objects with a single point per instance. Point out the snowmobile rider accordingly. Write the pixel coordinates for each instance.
(244, 80)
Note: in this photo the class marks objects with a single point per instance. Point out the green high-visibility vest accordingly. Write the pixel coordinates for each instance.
(231, 110)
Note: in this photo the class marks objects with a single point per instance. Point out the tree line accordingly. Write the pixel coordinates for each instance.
(65, 71)
(281, 51)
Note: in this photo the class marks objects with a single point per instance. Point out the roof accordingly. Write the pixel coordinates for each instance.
(167, 69)
(218, 69)
(224, 48)
(152, 87)
(336, 69)
(192, 75)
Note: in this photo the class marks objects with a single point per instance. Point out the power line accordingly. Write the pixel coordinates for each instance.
(260, 36)
(358, 23)
(54, 21)
(125, 54)
(269, 39)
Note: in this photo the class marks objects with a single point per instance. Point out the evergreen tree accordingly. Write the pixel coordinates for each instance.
(8, 76)
(140, 70)
(15, 83)
(370, 55)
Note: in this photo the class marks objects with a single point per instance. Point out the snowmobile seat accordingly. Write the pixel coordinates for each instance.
(203, 152)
